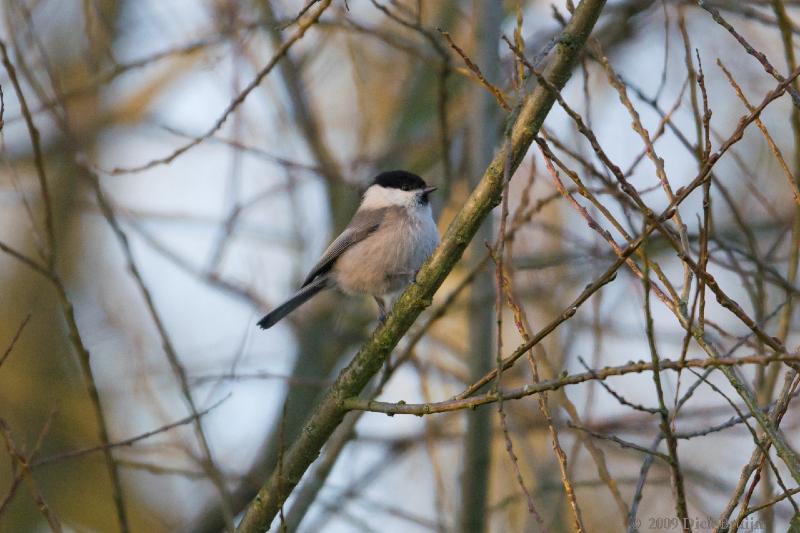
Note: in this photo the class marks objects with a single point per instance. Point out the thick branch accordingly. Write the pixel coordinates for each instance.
(418, 296)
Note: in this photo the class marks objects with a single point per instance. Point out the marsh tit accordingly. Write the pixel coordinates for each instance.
(380, 251)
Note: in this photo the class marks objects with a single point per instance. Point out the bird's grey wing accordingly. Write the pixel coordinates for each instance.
(364, 224)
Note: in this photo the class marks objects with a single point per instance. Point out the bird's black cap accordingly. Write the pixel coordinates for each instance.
(400, 179)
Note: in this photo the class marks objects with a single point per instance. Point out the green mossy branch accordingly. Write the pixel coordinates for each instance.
(369, 360)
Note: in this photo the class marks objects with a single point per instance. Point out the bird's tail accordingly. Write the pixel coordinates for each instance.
(293, 303)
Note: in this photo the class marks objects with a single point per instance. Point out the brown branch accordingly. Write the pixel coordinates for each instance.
(14, 339)
(302, 27)
(623, 443)
(497, 93)
(786, 453)
(125, 442)
(760, 57)
(69, 315)
(666, 428)
(24, 259)
(503, 289)
(37, 156)
(25, 471)
(767, 136)
(169, 350)
(402, 408)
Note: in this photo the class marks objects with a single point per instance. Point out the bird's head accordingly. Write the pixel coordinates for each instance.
(397, 188)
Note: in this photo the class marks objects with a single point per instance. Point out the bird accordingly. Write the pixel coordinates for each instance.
(380, 251)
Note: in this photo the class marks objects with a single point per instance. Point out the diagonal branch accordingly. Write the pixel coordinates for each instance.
(207, 461)
(371, 357)
(50, 272)
(302, 27)
(14, 340)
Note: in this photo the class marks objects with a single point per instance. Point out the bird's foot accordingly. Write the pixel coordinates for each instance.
(381, 309)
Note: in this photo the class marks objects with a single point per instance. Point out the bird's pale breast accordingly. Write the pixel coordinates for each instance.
(387, 261)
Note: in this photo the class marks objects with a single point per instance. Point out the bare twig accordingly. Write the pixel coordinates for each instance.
(555, 384)
(22, 462)
(497, 93)
(33, 132)
(14, 339)
(666, 429)
(125, 442)
(169, 350)
(302, 27)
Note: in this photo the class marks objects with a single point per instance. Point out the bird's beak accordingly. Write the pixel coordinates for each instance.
(427, 190)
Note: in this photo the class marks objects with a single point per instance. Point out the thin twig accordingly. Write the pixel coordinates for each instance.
(497, 93)
(22, 461)
(37, 156)
(125, 442)
(302, 27)
(666, 429)
(555, 384)
(14, 339)
(169, 350)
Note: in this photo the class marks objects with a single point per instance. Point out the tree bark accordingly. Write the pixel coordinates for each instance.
(485, 134)
(369, 360)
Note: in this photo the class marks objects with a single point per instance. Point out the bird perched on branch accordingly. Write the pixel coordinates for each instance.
(380, 251)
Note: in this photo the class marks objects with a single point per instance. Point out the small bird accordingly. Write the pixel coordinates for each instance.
(379, 253)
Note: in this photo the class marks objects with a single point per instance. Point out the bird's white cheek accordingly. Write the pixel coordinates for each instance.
(379, 197)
